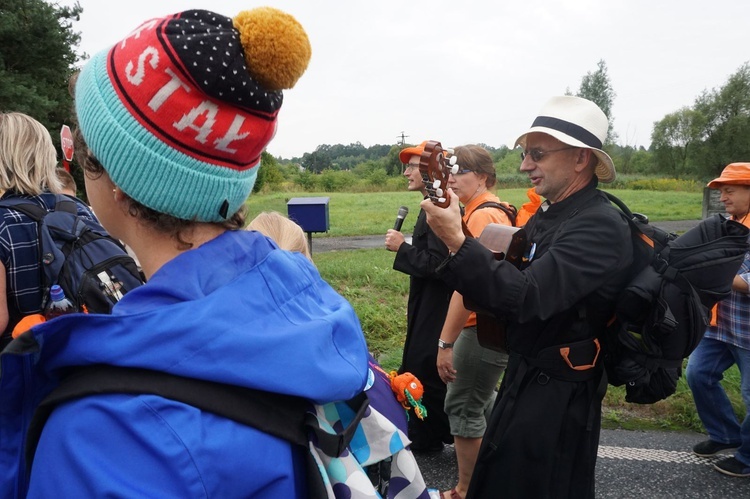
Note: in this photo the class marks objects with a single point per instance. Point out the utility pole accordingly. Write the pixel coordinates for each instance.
(402, 137)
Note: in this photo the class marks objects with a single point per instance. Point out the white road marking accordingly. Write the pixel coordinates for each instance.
(656, 455)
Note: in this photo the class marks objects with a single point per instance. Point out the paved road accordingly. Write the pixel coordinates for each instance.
(322, 243)
(630, 464)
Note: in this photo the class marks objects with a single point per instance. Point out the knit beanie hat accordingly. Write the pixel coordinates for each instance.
(179, 112)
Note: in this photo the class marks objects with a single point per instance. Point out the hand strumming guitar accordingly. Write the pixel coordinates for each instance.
(446, 222)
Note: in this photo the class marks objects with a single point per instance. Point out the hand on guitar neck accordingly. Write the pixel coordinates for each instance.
(441, 207)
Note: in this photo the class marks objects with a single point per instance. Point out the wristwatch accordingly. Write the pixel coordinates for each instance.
(443, 344)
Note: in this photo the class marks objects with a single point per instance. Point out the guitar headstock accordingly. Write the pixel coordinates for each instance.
(435, 168)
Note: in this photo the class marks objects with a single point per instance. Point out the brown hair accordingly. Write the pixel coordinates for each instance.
(477, 159)
(67, 180)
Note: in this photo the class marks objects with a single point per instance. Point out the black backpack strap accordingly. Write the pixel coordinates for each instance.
(280, 415)
(64, 203)
(509, 210)
(284, 416)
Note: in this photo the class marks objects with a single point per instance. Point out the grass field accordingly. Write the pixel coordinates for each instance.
(379, 294)
(373, 213)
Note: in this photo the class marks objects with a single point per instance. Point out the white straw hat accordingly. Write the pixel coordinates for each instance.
(576, 122)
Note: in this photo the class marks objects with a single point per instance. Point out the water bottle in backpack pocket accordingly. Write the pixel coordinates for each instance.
(58, 304)
(92, 268)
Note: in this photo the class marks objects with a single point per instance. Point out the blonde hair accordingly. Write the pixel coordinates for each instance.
(287, 234)
(27, 156)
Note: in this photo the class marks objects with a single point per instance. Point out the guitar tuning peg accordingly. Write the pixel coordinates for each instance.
(448, 150)
(437, 184)
(454, 169)
(439, 193)
(453, 160)
(441, 200)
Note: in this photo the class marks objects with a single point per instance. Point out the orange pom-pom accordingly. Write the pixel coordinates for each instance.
(276, 46)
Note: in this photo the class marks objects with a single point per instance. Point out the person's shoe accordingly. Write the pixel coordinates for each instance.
(709, 448)
(732, 467)
(426, 447)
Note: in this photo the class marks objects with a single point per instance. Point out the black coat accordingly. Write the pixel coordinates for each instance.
(543, 434)
(428, 305)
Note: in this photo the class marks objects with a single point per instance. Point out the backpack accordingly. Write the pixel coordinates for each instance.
(345, 442)
(91, 267)
(663, 312)
(510, 211)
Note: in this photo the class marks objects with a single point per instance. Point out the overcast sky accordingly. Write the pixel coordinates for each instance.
(466, 72)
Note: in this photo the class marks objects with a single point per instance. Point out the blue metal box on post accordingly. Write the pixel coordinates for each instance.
(310, 213)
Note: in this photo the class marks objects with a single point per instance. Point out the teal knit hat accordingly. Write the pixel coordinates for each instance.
(179, 112)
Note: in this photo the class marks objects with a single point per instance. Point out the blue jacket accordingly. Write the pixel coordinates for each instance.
(235, 310)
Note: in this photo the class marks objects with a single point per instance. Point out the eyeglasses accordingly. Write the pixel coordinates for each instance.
(538, 154)
(462, 172)
(410, 167)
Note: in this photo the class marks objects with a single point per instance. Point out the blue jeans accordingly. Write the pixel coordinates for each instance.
(704, 371)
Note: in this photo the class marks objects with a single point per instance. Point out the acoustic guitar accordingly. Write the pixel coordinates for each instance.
(505, 242)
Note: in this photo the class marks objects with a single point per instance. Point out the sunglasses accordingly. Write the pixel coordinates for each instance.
(463, 171)
(537, 154)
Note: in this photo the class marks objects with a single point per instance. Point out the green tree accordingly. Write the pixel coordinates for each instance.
(318, 160)
(641, 161)
(510, 163)
(727, 124)
(270, 175)
(674, 136)
(391, 161)
(37, 58)
(702, 139)
(596, 87)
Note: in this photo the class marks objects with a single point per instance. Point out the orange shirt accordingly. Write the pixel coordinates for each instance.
(528, 208)
(477, 220)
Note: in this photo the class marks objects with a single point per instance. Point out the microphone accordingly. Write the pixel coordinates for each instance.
(402, 212)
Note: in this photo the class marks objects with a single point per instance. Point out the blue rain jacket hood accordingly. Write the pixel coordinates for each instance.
(236, 310)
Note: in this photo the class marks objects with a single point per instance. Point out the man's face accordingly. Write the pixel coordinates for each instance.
(736, 199)
(553, 174)
(412, 173)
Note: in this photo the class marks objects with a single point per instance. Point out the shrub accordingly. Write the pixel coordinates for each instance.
(336, 181)
(650, 183)
(378, 177)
